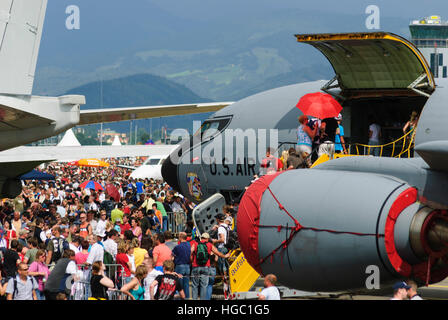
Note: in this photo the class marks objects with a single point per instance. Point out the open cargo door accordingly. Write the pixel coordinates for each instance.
(373, 63)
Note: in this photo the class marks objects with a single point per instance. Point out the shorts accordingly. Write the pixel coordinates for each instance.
(302, 148)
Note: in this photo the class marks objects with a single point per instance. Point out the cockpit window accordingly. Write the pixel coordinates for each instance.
(152, 161)
(212, 127)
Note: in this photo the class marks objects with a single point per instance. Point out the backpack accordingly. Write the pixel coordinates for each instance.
(59, 249)
(202, 255)
(231, 240)
(108, 258)
(33, 281)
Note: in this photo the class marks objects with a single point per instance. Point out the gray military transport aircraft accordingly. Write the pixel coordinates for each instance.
(328, 228)
(319, 230)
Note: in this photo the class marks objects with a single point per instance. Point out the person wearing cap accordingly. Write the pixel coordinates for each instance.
(200, 274)
(223, 231)
(412, 291)
(97, 251)
(339, 143)
(400, 291)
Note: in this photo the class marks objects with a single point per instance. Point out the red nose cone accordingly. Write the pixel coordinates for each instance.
(248, 219)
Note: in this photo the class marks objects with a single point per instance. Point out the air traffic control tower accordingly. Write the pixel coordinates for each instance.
(430, 36)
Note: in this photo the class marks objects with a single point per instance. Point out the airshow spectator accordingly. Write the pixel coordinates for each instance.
(139, 253)
(167, 284)
(135, 288)
(400, 291)
(305, 137)
(39, 270)
(328, 131)
(117, 213)
(181, 254)
(11, 260)
(412, 291)
(135, 228)
(339, 145)
(200, 261)
(161, 251)
(110, 245)
(374, 136)
(30, 254)
(169, 239)
(81, 257)
(151, 276)
(99, 282)
(64, 268)
(23, 286)
(97, 250)
(270, 291)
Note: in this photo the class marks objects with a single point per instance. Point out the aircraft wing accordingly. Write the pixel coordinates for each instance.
(133, 113)
(435, 154)
(55, 153)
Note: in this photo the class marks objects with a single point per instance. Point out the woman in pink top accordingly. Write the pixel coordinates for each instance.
(136, 230)
(39, 270)
(81, 257)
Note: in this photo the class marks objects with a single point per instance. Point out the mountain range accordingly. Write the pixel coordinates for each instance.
(220, 50)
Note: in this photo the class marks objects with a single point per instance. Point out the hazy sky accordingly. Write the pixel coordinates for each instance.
(389, 8)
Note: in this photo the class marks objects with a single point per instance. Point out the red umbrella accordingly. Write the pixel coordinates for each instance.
(91, 185)
(319, 105)
(113, 192)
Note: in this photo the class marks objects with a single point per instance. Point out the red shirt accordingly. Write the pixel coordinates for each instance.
(125, 227)
(209, 249)
(122, 259)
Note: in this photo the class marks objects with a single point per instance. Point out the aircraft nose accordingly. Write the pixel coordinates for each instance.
(169, 172)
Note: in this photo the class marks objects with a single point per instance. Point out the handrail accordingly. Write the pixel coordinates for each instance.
(405, 147)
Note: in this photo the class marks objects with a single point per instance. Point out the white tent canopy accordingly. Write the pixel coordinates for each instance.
(116, 141)
(69, 140)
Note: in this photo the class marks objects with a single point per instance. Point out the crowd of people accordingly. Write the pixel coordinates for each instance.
(61, 241)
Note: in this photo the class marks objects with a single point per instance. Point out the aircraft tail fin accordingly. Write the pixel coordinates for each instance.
(21, 24)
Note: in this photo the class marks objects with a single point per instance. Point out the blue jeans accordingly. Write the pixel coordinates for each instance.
(376, 150)
(165, 223)
(199, 281)
(211, 282)
(40, 295)
(222, 262)
(184, 270)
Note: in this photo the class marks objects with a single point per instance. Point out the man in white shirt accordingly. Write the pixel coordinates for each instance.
(101, 225)
(412, 291)
(97, 251)
(110, 245)
(400, 291)
(270, 291)
(374, 136)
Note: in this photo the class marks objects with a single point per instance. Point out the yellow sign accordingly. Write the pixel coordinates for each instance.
(242, 275)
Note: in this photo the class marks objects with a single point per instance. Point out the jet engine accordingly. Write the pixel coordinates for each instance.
(323, 230)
